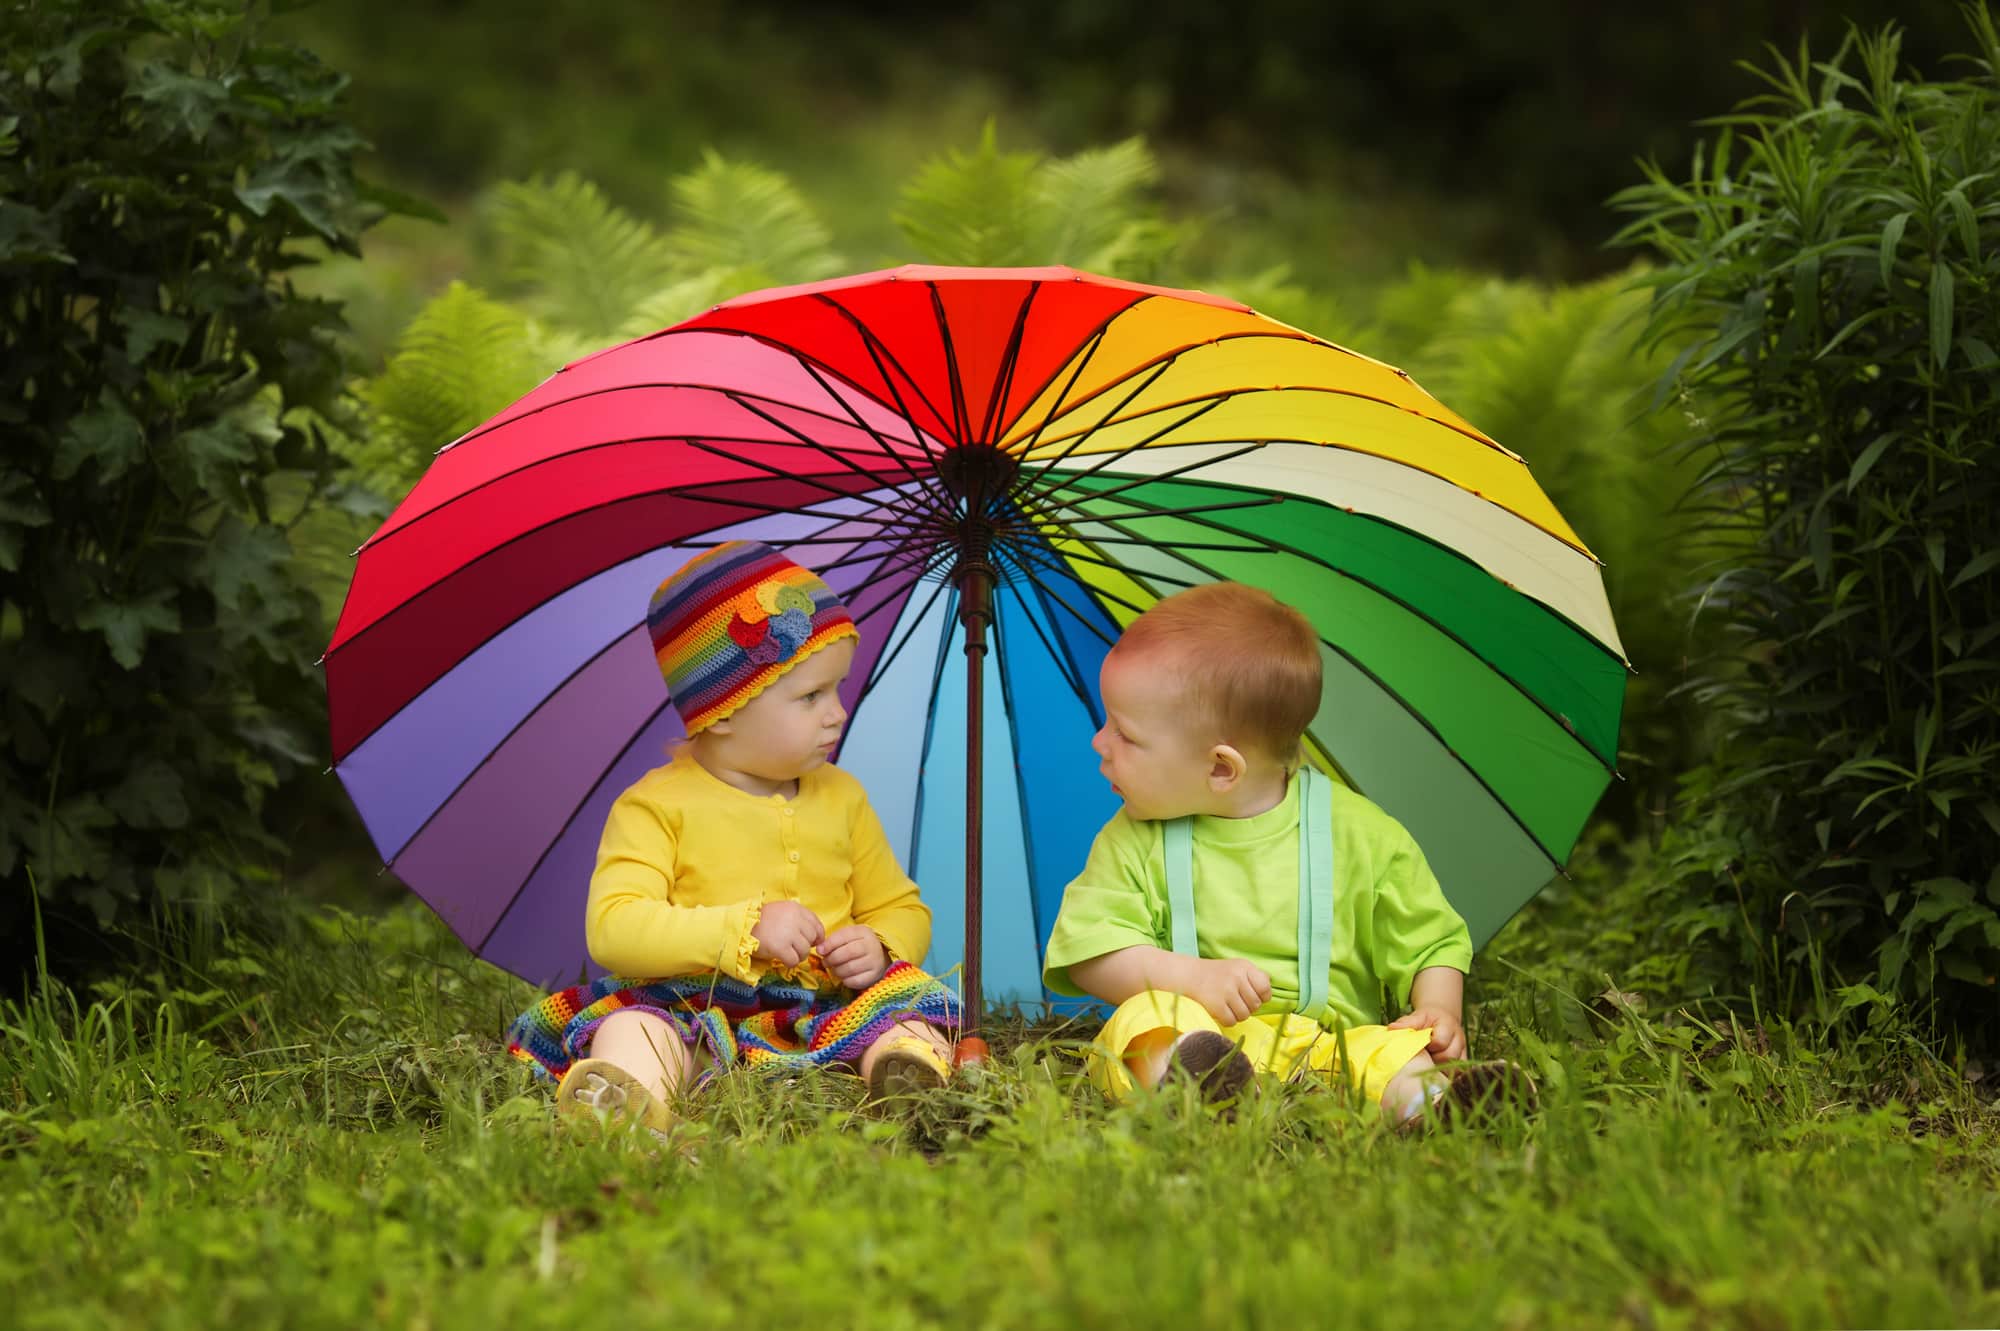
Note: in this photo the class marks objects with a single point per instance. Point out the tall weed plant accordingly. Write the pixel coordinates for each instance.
(1827, 274)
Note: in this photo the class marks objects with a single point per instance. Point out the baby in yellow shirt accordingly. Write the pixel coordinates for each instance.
(748, 880)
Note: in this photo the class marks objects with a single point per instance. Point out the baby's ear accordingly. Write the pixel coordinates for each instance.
(1226, 767)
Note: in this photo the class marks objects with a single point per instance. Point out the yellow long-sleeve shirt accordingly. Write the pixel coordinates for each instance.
(687, 862)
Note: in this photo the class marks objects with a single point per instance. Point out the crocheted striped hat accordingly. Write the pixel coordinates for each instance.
(733, 620)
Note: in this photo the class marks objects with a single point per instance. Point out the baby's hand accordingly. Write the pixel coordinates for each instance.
(1229, 987)
(787, 932)
(855, 955)
(1447, 1033)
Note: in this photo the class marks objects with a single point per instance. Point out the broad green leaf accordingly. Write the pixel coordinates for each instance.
(239, 557)
(301, 189)
(190, 101)
(215, 452)
(126, 624)
(151, 795)
(107, 435)
(147, 329)
(28, 235)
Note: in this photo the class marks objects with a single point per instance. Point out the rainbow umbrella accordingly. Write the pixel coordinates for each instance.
(1017, 461)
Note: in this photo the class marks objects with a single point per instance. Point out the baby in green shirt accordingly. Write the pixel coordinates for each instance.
(1307, 901)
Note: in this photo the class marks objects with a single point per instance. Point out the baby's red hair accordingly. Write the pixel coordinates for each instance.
(1247, 662)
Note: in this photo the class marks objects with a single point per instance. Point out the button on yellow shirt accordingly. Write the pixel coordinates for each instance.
(687, 862)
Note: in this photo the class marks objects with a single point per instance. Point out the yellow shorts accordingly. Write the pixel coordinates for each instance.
(1281, 1045)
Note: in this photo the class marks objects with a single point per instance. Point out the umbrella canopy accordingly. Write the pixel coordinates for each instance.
(1020, 458)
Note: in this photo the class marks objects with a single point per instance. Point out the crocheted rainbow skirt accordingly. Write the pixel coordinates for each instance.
(779, 1025)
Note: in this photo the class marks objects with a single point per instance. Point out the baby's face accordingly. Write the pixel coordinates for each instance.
(792, 726)
(1155, 756)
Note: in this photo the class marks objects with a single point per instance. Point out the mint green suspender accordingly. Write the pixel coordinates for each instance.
(1315, 888)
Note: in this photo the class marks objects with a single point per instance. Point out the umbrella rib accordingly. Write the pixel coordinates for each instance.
(796, 510)
(488, 427)
(989, 429)
(488, 756)
(380, 537)
(1115, 454)
(929, 480)
(877, 349)
(670, 491)
(1077, 441)
(951, 374)
(1051, 555)
(881, 669)
(1421, 720)
(889, 595)
(930, 731)
(868, 342)
(1071, 479)
(815, 444)
(563, 830)
(1089, 353)
(1331, 391)
(1276, 334)
(1073, 672)
(1066, 667)
(1075, 614)
(502, 742)
(899, 507)
(1284, 548)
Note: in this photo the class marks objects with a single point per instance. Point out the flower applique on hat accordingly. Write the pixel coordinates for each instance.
(730, 622)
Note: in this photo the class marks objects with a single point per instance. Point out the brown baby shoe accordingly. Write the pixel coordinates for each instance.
(1473, 1091)
(1213, 1063)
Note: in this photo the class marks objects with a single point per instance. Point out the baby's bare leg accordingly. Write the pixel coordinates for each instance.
(1411, 1089)
(645, 1046)
(1149, 1054)
(921, 1029)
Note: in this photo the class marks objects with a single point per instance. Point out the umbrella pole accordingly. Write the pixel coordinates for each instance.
(975, 612)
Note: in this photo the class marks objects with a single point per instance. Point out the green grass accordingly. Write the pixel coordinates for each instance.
(314, 1124)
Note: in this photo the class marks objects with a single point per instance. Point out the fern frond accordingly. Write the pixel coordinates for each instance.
(574, 257)
(973, 208)
(463, 358)
(1085, 204)
(739, 215)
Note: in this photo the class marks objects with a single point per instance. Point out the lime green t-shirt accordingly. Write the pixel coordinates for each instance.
(1390, 918)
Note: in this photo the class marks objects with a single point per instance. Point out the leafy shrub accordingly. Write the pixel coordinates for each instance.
(1829, 271)
(164, 393)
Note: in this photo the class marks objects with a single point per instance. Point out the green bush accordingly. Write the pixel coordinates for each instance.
(1828, 274)
(165, 395)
